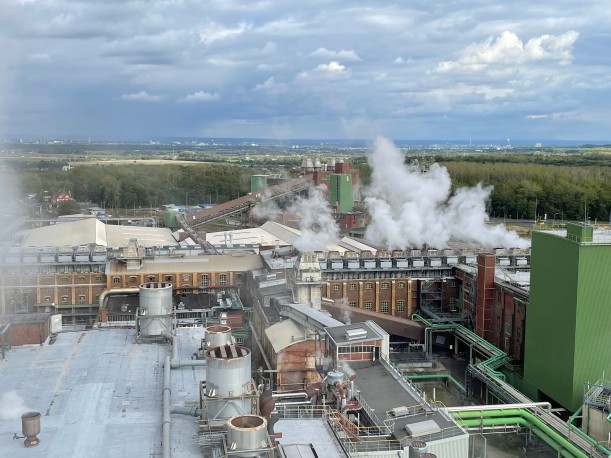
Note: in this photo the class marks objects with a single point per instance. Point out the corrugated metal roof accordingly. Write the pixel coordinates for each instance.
(213, 263)
(84, 232)
(92, 231)
(285, 333)
(317, 315)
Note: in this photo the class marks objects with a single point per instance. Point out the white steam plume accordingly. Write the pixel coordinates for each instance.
(266, 209)
(409, 208)
(316, 222)
(12, 406)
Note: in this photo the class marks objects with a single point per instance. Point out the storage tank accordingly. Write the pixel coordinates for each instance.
(217, 335)
(417, 448)
(258, 183)
(30, 428)
(335, 376)
(228, 379)
(155, 309)
(248, 433)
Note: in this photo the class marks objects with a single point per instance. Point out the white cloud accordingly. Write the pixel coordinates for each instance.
(324, 53)
(141, 96)
(202, 96)
(332, 70)
(537, 116)
(214, 31)
(39, 58)
(508, 49)
(271, 86)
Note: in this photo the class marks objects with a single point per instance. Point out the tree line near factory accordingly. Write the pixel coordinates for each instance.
(561, 187)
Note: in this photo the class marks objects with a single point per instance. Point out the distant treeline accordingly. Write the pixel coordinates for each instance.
(138, 185)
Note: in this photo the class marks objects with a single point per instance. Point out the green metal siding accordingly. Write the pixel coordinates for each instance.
(258, 183)
(340, 191)
(568, 320)
(549, 352)
(593, 330)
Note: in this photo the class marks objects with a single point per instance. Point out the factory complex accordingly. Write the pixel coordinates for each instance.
(171, 341)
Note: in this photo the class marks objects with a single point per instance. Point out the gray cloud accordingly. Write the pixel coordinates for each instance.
(315, 69)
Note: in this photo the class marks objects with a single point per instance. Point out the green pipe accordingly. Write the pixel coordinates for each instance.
(529, 417)
(517, 421)
(434, 376)
(526, 414)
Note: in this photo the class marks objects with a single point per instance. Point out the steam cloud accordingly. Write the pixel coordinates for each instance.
(409, 208)
(317, 225)
(267, 208)
(12, 406)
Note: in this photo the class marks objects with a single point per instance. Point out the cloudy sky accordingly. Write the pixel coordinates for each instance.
(418, 69)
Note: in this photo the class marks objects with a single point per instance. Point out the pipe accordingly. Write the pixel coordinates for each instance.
(192, 411)
(521, 422)
(293, 394)
(483, 408)
(176, 362)
(530, 418)
(110, 292)
(166, 418)
(434, 376)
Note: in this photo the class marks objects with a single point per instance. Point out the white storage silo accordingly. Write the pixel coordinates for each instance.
(155, 315)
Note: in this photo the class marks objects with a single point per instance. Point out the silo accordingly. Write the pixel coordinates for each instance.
(155, 309)
(218, 335)
(417, 449)
(258, 183)
(228, 382)
(248, 433)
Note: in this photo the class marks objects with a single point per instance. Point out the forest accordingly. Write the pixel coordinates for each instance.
(561, 187)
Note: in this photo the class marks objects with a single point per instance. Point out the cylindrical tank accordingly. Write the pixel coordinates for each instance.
(248, 433)
(228, 378)
(217, 335)
(417, 448)
(30, 427)
(155, 309)
(335, 376)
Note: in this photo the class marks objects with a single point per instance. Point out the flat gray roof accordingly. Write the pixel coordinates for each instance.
(99, 394)
(339, 336)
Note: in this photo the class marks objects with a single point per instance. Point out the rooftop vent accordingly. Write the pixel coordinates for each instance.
(356, 333)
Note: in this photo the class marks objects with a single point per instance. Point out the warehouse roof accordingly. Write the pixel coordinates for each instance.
(284, 334)
(213, 263)
(92, 231)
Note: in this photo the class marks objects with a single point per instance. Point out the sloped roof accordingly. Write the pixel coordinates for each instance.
(284, 334)
(75, 233)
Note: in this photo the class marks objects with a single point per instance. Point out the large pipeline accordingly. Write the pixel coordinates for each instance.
(110, 292)
(166, 418)
(532, 422)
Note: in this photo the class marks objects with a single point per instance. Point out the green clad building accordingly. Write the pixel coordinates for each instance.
(341, 192)
(568, 319)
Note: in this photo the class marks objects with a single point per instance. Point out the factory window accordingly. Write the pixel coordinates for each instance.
(452, 284)
(368, 285)
(186, 277)
(222, 279)
(400, 285)
(452, 300)
(368, 305)
(352, 304)
(65, 290)
(151, 278)
(47, 299)
(64, 279)
(81, 279)
(81, 300)
(169, 278)
(205, 281)
(401, 306)
(99, 278)
(352, 286)
(384, 307)
(64, 300)
(116, 280)
(335, 287)
(133, 279)
(384, 285)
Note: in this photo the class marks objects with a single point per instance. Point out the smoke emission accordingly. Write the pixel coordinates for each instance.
(266, 209)
(12, 406)
(317, 225)
(409, 208)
